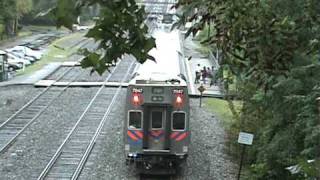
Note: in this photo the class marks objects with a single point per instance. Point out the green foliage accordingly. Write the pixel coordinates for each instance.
(23, 7)
(11, 12)
(271, 47)
(119, 30)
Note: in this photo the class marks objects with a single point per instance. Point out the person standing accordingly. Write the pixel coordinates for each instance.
(214, 77)
(204, 74)
(197, 78)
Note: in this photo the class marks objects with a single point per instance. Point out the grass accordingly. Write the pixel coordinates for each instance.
(221, 109)
(54, 53)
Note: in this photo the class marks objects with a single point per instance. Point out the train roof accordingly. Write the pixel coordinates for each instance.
(166, 67)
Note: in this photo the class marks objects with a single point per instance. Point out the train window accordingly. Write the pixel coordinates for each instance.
(178, 120)
(156, 119)
(135, 120)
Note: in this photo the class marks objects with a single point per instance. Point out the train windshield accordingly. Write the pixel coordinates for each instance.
(135, 120)
(156, 119)
(178, 120)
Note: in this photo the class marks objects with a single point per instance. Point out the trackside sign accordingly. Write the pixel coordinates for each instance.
(245, 138)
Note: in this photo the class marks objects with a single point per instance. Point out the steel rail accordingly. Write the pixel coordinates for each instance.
(57, 154)
(31, 101)
(84, 158)
(36, 115)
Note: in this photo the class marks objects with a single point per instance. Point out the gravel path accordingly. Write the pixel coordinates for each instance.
(207, 159)
(34, 148)
(12, 98)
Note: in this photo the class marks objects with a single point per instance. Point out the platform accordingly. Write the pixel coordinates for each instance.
(192, 66)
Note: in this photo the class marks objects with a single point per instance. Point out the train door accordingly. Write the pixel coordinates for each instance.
(157, 128)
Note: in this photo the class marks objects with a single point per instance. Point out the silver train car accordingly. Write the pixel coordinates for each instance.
(156, 130)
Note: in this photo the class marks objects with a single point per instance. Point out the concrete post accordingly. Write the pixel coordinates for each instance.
(318, 153)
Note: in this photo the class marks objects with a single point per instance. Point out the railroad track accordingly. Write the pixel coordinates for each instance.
(122, 67)
(19, 121)
(71, 156)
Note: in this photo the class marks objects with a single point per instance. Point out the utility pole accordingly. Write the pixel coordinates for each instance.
(318, 152)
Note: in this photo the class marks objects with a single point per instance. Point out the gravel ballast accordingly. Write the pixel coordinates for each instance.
(28, 156)
(13, 98)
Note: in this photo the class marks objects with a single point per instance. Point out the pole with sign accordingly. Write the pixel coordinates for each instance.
(201, 89)
(244, 139)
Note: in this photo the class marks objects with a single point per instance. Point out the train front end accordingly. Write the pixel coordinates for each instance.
(157, 133)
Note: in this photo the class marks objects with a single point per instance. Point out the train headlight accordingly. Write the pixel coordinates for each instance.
(178, 100)
(136, 99)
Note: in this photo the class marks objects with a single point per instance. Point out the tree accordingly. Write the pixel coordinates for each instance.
(271, 48)
(11, 12)
(119, 30)
(7, 15)
(22, 7)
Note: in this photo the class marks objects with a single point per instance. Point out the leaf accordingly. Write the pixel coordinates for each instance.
(91, 60)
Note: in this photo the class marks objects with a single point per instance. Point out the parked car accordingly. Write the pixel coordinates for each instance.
(21, 55)
(33, 46)
(77, 27)
(27, 51)
(14, 66)
(14, 59)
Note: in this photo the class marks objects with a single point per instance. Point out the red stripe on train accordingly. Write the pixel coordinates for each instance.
(132, 136)
(156, 133)
(181, 136)
(174, 135)
(139, 134)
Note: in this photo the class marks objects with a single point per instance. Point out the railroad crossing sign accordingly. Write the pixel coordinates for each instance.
(245, 138)
(201, 89)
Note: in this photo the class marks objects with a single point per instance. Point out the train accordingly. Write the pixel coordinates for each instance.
(156, 128)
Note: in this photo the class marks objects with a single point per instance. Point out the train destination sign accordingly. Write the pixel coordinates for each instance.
(178, 91)
(137, 90)
(245, 138)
